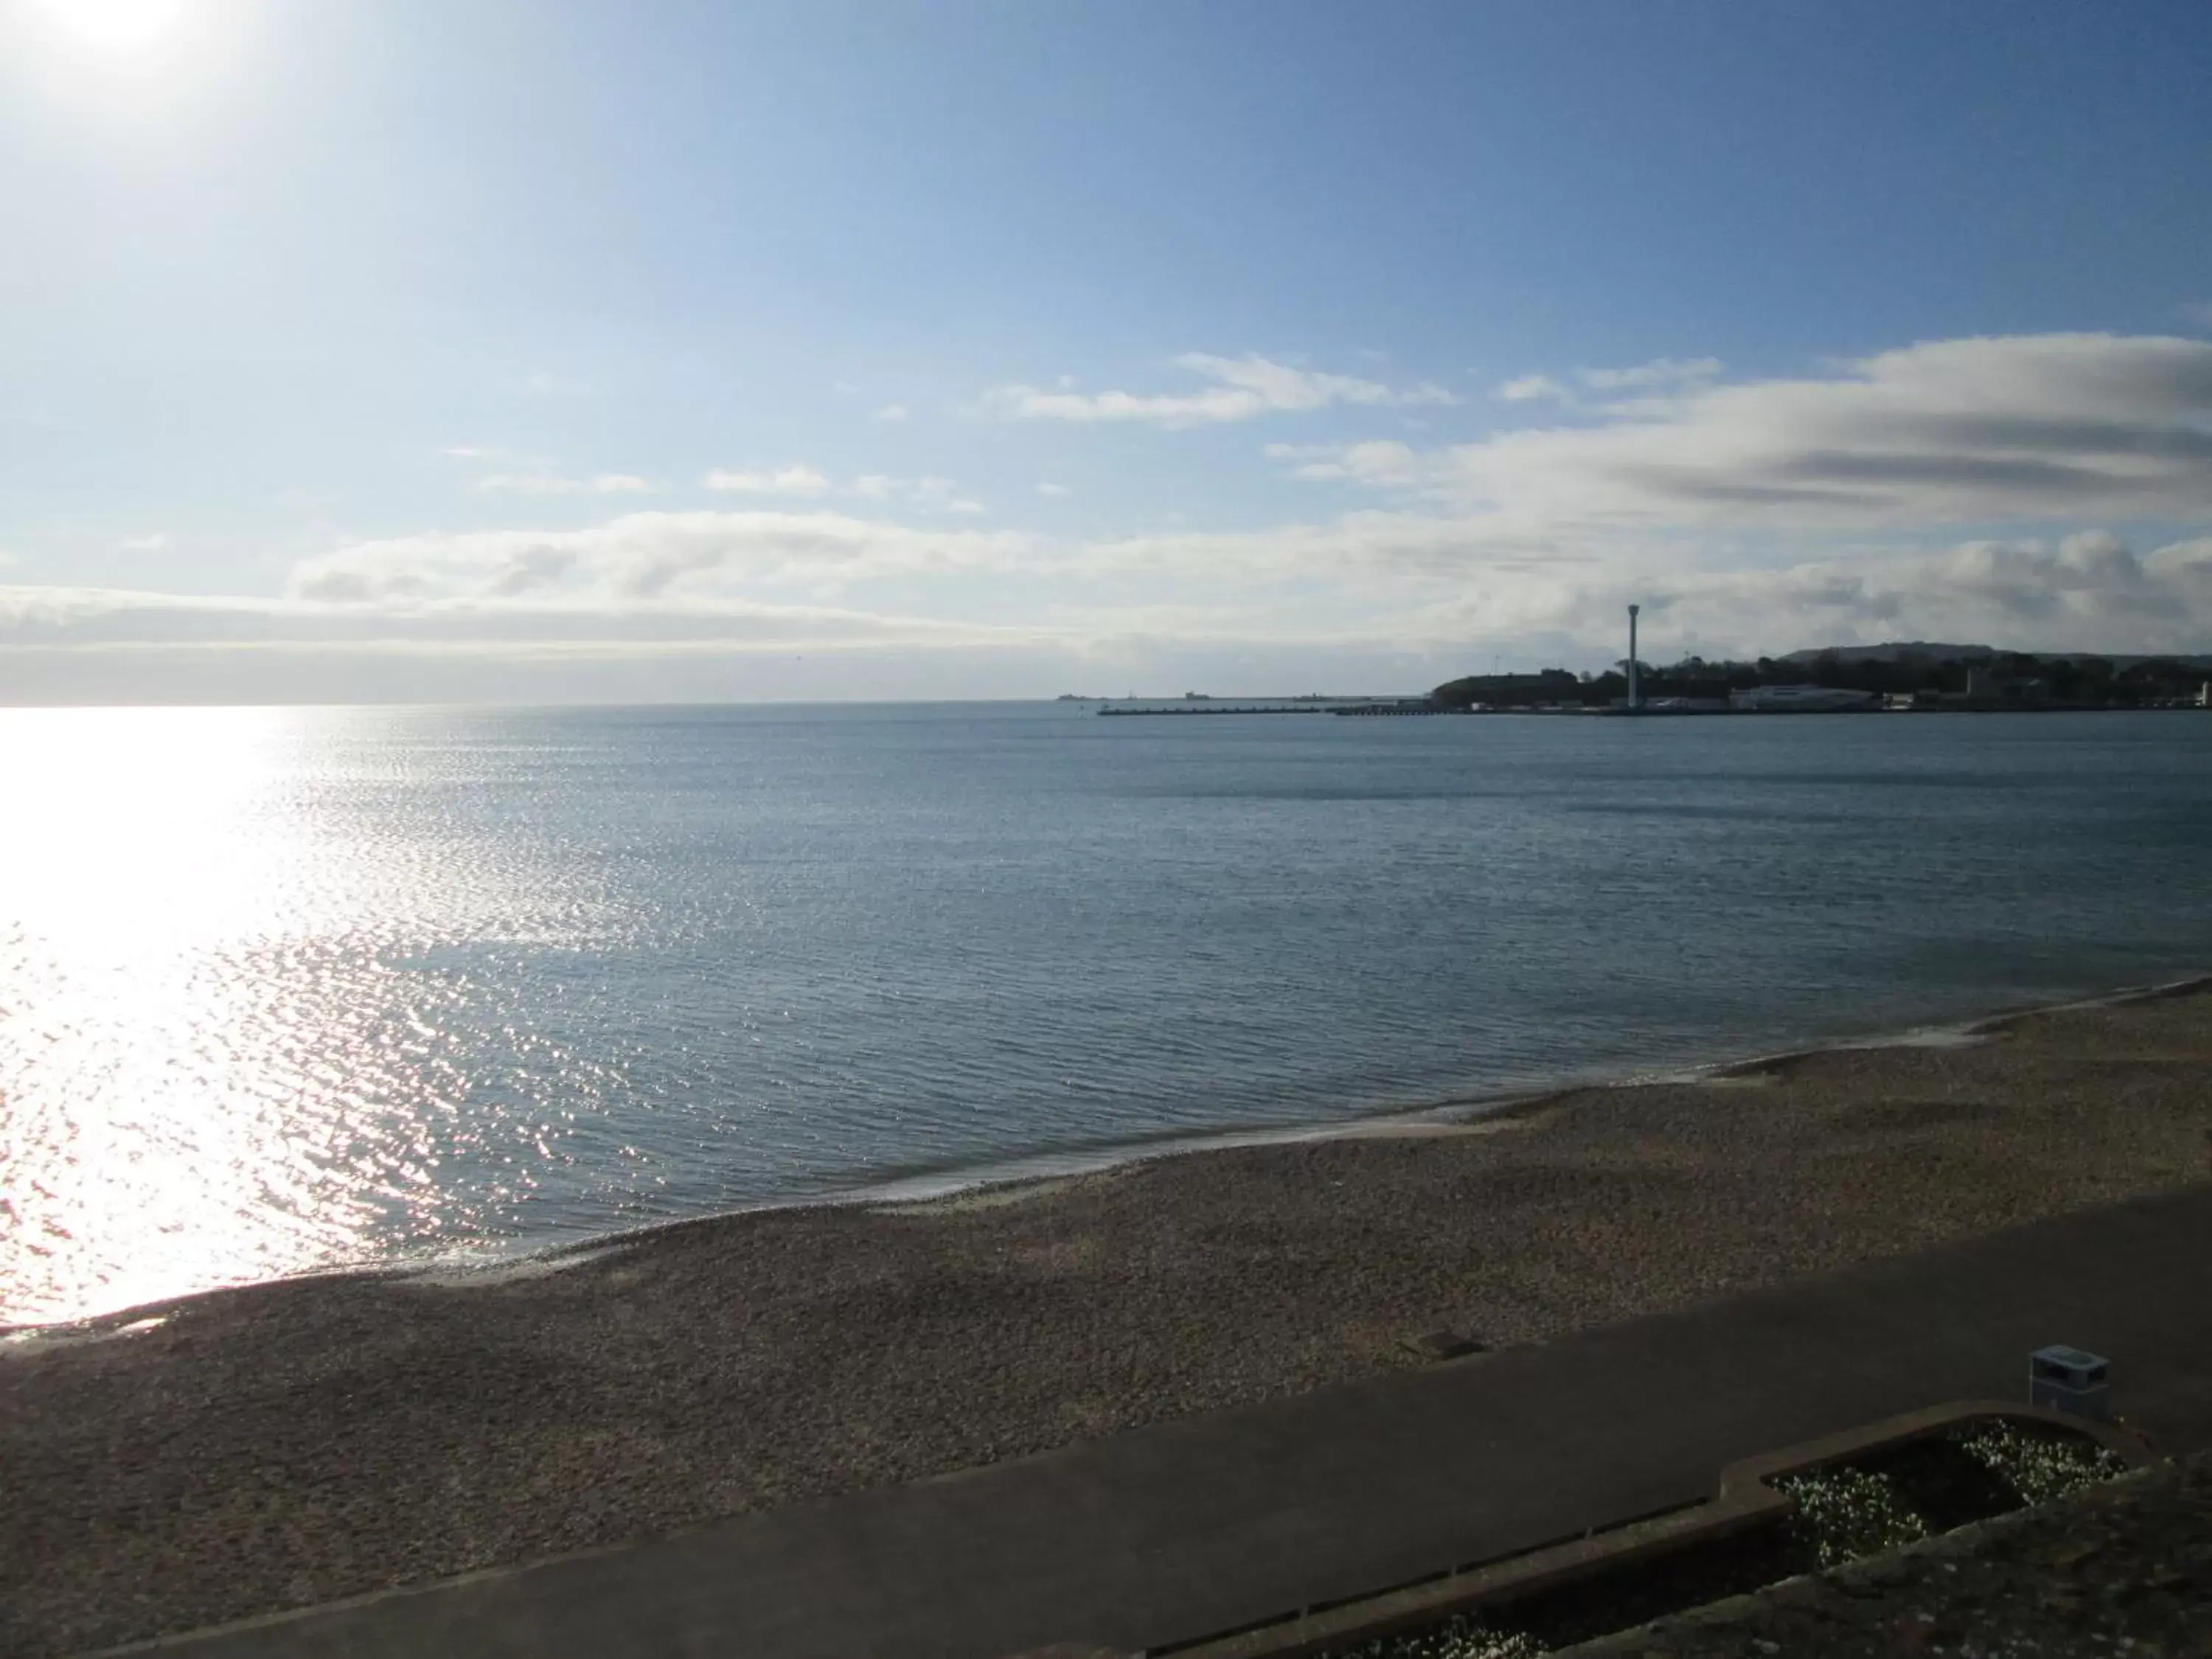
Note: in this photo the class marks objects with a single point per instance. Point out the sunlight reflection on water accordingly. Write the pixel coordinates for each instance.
(208, 1078)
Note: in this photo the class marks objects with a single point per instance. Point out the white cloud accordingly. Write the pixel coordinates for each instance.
(929, 492)
(2198, 312)
(1530, 387)
(889, 412)
(2039, 429)
(553, 483)
(1661, 372)
(1382, 463)
(681, 559)
(1052, 489)
(1243, 387)
(2085, 591)
(663, 584)
(152, 544)
(793, 480)
(89, 644)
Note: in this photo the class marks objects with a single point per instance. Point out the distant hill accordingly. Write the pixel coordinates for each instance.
(1923, 673)
(1896, 650)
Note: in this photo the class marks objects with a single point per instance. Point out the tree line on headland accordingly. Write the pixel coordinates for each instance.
(2072, 679)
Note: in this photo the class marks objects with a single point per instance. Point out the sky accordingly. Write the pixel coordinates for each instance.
(581, 351)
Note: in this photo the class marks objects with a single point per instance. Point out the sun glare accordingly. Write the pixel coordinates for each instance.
(128, 27)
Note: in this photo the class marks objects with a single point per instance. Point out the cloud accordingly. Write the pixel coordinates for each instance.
(1530, 387)
(553, 483)
(688, 560)
(2198, 312)
(1055, 489)
(670, 559)
(1381, 463)
(889, 412)
(929, 492)
(793, 480)
(2040, 429)
(1658, 373)
(1985, 489)
(152, 544)
(90, 647)
(1243, 387)
(660, 584)
(2085, 591)
(686, 606)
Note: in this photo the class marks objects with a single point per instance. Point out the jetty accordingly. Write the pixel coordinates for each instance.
(1193, 704)
(1219, 709)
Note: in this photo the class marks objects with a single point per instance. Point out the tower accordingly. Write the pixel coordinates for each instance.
(1635, 692)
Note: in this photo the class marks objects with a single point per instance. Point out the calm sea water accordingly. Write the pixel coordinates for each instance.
(282, 990)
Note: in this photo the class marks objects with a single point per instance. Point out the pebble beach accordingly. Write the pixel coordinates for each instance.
(280, 1444)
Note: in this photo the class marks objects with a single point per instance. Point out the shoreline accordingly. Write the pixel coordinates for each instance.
(1006, 1180)
(1010, 1181)
(245, 1450)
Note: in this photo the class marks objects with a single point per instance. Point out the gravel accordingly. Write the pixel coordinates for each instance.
(293, 1442)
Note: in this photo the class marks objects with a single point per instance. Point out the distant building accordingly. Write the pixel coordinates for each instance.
(1676, 705)
(1800, 700)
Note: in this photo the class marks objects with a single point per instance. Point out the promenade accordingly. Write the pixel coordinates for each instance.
(1170, 1534)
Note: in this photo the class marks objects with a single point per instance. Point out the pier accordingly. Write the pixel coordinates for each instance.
(1220, 708)
(1362, 706)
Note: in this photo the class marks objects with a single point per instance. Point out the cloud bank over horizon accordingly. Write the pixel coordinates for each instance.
(2040, 491)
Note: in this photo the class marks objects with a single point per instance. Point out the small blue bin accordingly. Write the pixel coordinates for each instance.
(2070, 1380)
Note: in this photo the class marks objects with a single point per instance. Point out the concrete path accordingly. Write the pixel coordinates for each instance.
(1166, 1534)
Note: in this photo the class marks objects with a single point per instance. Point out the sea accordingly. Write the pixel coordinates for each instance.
(284, 991)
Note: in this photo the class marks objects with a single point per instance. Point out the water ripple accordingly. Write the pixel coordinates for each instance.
(287, 989)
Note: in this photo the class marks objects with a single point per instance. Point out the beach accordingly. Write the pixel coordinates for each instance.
(286, 1444)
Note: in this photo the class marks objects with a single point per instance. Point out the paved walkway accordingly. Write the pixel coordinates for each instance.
(1191, 1528)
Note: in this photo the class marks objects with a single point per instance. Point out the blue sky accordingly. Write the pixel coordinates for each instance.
(484, 349)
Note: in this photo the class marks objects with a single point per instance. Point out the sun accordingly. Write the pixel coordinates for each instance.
(120, 26)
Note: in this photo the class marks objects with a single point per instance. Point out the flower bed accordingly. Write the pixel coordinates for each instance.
(1843, 1511)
